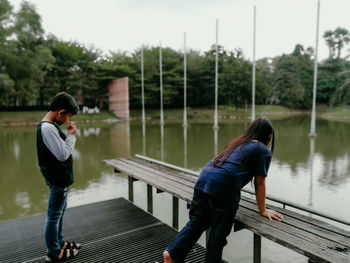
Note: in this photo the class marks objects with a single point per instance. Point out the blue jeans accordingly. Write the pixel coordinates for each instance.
(54, 220)
(205, 212)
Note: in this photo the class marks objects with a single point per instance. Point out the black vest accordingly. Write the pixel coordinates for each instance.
(55, 172)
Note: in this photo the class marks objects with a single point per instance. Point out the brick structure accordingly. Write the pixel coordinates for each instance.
(118, 92)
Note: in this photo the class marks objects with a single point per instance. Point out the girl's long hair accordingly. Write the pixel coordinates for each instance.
(260, 130)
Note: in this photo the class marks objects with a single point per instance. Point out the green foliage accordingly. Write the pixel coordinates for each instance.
(293, 79)
(336, 40)
(287, 88)
(73, 70)
(342, 93)
(33, 68)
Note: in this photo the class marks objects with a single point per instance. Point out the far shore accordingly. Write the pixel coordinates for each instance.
(22, 118)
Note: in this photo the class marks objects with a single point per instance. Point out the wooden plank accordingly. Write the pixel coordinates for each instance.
(184, 176)
(291, 230)
(304, 218)
(136, 171)
(161, 173)
(171, 176)
(305, 225)
(306, 248)
(151, 177)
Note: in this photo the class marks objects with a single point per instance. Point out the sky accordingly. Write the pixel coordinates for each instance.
(126, 25)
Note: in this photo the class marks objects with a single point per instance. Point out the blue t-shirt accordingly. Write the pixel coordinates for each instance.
(226, 181)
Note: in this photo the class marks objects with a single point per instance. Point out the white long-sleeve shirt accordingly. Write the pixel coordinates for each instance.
(60, 148)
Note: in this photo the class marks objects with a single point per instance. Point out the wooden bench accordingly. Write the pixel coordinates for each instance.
(317, 240)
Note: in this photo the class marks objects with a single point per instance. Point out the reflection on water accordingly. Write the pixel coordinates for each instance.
(144, 138)
(311, 165)
(215, 141)
(313, 172)
(162, 141)
(304, 170)
(16, 149)
(185, 146)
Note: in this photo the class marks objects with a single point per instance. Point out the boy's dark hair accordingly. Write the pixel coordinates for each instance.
(64, 101)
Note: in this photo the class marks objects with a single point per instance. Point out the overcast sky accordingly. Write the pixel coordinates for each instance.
(128, 24)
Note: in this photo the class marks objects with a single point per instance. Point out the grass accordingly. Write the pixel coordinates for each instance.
(224, 112)
(32, 117)
(341, 111)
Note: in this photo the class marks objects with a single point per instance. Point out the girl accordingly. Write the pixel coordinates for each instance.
(217, 192)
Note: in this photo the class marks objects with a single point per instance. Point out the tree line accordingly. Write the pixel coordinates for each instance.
(35, 66)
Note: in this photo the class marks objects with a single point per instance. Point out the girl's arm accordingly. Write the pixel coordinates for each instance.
(260, 194)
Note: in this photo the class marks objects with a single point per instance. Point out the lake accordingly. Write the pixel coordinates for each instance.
(314, 173)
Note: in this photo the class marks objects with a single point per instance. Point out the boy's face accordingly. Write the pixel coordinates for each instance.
(62, 117)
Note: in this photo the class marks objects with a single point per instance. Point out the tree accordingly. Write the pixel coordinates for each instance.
(342, 93)
(29, 57)
(287, 87)
(195, 77)
(236, 83)
(6, 83)
(336, 40)
(292, 79)
(73, 70)
(328, 79)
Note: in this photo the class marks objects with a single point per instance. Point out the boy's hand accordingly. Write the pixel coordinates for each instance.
(272, 214)
(71, 128)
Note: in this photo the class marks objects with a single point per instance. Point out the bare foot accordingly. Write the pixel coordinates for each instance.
(167, 258)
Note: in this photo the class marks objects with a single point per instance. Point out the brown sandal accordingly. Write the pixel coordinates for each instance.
(65, 254)
(70, 245)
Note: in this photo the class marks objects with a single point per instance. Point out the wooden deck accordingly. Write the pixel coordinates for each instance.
(317, 240)
(110, 231)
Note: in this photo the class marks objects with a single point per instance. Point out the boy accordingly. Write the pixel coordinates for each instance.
(54, 150)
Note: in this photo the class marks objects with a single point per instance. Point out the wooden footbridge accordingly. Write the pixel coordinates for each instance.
(317, 240)
(118, 231)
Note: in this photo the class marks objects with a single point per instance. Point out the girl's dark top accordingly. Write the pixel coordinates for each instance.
(226, 181)
(55, 172)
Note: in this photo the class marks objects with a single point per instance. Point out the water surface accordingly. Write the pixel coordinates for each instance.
(314, 173)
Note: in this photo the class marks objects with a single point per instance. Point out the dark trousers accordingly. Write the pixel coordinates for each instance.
(205, 212)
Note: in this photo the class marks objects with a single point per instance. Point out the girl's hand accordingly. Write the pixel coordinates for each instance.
(272, 214)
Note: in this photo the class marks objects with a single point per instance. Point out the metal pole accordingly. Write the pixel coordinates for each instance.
(175, 212)
(161, 84)
(313, 114)
(149, 199)
(131, 188)
(216, 126)
(185, 80)
(253, 73)
(142, 89)
(257, 248)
